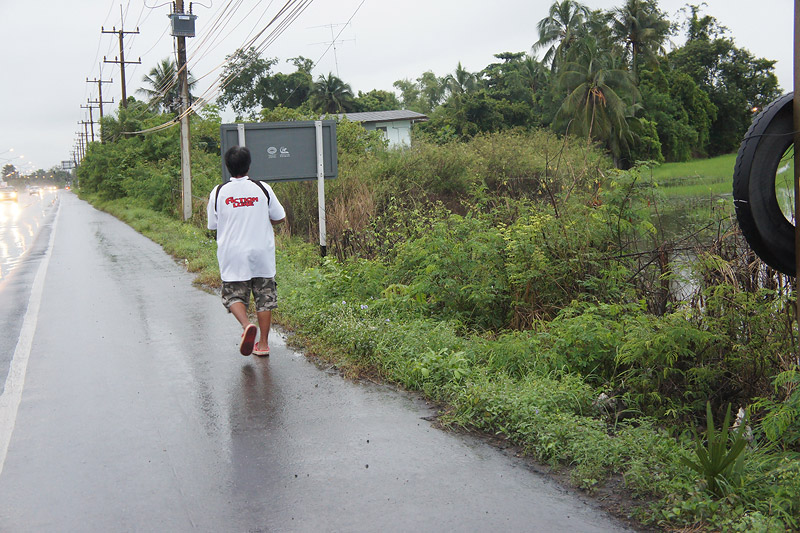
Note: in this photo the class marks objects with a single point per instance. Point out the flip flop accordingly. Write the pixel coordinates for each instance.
(248, 340)
(256, 351)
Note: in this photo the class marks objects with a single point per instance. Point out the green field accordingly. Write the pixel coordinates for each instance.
(698, 178)
(713, 178)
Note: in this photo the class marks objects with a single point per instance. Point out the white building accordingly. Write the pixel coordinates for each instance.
(395, 125)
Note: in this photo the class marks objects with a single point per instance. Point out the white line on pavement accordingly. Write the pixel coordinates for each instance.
(12, 394)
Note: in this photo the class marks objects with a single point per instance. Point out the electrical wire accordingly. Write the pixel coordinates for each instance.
(287, 15)
(329, 46)
(296, 10)
(170, 83)
(250, 42)
(215, 32)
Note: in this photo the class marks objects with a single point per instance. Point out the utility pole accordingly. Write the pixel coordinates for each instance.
(121, 60)
(85, 130)
(81, 151)
(91, 119)
(100, 100)
(183, 76)
(99, 103)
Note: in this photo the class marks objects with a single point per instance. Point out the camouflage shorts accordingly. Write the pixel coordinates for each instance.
(264, 291)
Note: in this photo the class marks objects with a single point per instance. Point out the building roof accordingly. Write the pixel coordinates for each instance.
(385, 116)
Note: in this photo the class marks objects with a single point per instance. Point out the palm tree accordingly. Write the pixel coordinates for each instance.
(597, 105)
(560, 29)
(331, 95)
(164, 92)
(461, 81)
(534, 73)
(641, 29)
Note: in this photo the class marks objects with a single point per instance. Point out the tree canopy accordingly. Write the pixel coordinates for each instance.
(614, 77)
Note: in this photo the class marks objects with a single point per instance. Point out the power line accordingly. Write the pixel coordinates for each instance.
(291, 7)
(329, 46)
(121, 60)
(289, 13)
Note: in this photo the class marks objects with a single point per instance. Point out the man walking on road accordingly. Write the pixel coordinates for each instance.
(243, 212)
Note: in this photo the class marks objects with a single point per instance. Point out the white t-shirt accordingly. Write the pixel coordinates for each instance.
(245, 240)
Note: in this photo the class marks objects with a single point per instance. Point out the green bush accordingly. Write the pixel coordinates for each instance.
(457, 265)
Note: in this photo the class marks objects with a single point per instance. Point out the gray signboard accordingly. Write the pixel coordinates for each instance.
(282, 151)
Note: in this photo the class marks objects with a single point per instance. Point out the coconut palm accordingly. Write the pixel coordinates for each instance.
(641, 29)
(599, 95)
(461, 81)
(534, 73)
(164, 91)
(331, 95)
(560, 29)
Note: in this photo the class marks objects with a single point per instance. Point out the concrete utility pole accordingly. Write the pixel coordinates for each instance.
(121, 60)
(186, 167)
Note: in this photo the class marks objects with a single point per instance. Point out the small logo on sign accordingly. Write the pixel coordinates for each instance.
(285, 152)
(271, 151)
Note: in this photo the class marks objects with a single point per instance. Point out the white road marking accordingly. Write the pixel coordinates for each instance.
(12, 394)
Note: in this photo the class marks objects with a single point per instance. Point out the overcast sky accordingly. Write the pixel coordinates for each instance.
(50, 48)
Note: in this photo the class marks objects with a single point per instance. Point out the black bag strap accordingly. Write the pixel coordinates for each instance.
(216, 197)
(260, 186)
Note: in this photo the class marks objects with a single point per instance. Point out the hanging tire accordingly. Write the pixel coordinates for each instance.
(766, 229)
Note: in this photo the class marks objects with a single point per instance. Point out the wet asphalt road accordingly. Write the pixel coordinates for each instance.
(138, 414)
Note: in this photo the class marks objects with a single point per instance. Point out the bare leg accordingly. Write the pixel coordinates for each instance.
(240, 312)
(264, 323)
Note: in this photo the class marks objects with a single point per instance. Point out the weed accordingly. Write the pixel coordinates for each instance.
(719, 461)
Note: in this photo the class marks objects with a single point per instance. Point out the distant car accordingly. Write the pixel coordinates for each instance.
(34, 190)
(8, 193)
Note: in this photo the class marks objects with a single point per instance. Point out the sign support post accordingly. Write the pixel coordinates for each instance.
(288, 151)
(321, 188)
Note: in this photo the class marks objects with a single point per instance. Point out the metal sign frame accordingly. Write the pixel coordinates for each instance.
(287, 151)
(282, 151)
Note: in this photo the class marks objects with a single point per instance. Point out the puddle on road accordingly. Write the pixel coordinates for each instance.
(19, 225)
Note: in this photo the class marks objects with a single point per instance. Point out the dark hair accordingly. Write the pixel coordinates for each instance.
(237, 159)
